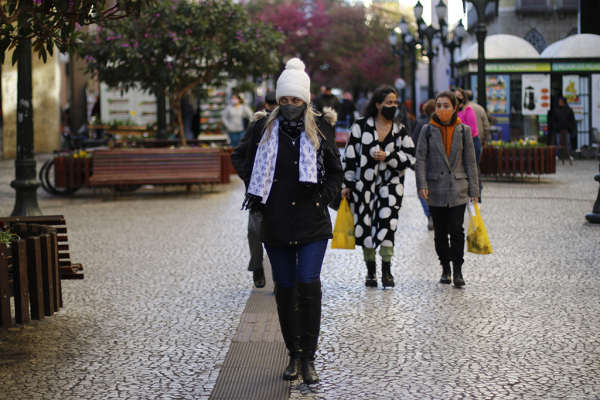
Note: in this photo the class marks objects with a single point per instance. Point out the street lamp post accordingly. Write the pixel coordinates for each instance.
(408, 46)
(25, 183)
(434, 36)
(481, 32)
(455, 43)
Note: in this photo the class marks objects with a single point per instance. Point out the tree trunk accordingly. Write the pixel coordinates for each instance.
(181, 127)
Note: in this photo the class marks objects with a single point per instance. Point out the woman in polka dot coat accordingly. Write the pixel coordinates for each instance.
(378, 152)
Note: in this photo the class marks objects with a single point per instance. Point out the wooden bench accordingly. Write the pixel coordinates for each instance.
(129, 167)
(68, 269)
(29, 271)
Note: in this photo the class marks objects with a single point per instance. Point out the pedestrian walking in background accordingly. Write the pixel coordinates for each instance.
(467, 115)
(378, 151)
(426, 112)
(236, 117)
(327, 99)
(238, 159)
(361, 104)
(446, 172)
(292, 171)
(347, 110)
(564, 125)
(402, 115)
(483, 122)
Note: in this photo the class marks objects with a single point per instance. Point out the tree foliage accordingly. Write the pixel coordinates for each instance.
(341, 44)
(179, 46)
(50, 23)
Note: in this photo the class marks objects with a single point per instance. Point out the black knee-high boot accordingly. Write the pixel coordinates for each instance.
(387, 279)
(309, 309)
(287, 309)
(371, 280)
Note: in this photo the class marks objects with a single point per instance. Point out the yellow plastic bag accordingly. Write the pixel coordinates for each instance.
(478, 241)
(343, 231)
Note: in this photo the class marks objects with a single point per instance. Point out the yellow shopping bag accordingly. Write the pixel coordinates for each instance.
(343, 231)
(477, 237)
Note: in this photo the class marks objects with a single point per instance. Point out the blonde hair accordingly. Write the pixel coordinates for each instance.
(310, 124)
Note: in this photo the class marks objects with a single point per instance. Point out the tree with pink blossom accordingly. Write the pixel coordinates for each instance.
(181, 46)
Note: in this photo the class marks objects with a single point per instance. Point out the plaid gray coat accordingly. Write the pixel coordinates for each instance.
(450, 180)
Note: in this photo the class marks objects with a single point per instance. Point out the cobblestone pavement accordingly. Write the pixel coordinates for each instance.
(166, 284)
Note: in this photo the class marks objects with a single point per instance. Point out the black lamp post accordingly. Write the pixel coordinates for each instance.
(434, 36)
(481, 33)
(407, 47)
(25, 183)
(455, 43)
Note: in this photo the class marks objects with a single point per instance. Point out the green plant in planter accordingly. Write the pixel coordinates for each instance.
(5, 234)
(520, 144)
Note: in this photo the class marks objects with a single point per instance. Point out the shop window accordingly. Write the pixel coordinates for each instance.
(536, 39)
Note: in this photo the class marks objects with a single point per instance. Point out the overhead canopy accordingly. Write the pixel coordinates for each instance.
(585, 45)
(502, 46)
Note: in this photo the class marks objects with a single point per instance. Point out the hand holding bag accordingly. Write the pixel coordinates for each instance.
(343, 231)
(478, 241)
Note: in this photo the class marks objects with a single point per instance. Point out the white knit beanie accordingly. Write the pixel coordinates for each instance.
(293, 81)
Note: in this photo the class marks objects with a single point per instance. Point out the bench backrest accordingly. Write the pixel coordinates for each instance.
(123, 161)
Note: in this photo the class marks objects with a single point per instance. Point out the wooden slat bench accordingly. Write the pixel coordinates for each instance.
(128, 167)
(29, 271)
(68, 269)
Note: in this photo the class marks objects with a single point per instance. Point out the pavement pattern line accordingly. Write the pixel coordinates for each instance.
(254, 363)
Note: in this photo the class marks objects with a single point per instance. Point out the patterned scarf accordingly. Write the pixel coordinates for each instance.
(263, 170)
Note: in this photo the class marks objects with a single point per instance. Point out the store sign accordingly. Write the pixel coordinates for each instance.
(570, 90)
(497, 89)
(535, 94)
(518, 67)
(575, 66)
(134, 106)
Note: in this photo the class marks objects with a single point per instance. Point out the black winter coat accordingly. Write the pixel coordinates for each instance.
(292, 217)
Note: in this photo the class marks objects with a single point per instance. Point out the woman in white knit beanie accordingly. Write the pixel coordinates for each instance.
(292, 172)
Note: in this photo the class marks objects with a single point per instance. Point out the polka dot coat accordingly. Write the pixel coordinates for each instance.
(377, 186)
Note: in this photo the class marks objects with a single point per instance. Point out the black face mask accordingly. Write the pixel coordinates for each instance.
(461, 101)
(388, 112)
(291, 112)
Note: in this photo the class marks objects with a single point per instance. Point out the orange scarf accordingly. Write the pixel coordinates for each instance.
(447, 133)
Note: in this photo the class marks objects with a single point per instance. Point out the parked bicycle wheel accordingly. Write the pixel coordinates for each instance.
(46, 177)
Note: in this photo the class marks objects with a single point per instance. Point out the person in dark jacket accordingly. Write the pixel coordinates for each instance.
(426, 113)
(238, 158)
(328, 99)
(563, 122)
(292, 171)
(348, 109)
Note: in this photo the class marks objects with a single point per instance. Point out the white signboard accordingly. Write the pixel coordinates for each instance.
(535, 94)
(596, 101)
(135, 106)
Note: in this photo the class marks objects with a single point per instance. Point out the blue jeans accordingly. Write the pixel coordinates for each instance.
(425, 207)
(235, 138)
(301, 263)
